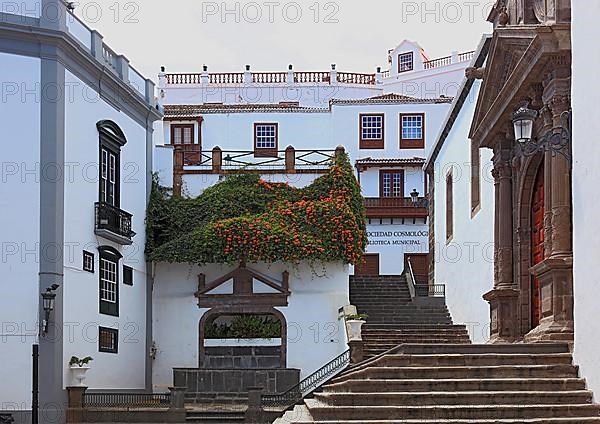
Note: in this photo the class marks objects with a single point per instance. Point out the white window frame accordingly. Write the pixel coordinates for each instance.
(109, 280)
(406, 62)
(412, 123)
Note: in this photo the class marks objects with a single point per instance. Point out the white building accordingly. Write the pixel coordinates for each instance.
(462, 211)
(252, 118)
(585, 194)
(75, 181)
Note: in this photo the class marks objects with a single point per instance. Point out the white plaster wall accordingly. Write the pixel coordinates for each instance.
(19, 226)
(428, 83)
(586, 178)
(465, 264)
(392, 240)
(345, 126)
(315, 336)
(162, 163)
(124, 370)
(29, 8)
(414, 178)
(309, 95)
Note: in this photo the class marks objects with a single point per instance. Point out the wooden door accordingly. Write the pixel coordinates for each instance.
(537, 244)
(369, 265)
(420, 266)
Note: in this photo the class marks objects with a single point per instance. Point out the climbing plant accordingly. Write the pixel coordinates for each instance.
(244, 217)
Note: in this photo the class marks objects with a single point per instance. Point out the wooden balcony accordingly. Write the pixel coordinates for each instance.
(395, 207)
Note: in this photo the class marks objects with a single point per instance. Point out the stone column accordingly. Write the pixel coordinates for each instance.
(503, 298)
(556, 271)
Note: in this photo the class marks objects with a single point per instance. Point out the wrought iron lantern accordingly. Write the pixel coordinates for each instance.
(48, 298)
(557, 140)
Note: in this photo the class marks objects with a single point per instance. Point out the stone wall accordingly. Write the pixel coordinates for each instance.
(242, 357)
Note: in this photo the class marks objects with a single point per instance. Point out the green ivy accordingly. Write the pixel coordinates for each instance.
(244, 217)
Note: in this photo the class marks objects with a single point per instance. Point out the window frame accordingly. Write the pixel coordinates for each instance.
(382, 173)
(111, 255)
(128, 270)
(111, 140)
(183, 127)
(412, 61)
(113, 332)
(371, 143)
(412, 143)
(475, 178)
(266, 151)
(449, 206)
(90, 256)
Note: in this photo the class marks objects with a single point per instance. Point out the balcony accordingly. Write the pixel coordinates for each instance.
(395, 207)
(113, 224)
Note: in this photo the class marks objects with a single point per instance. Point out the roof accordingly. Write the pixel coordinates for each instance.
(392, 98)
(416, 161)
(195, 111)
(459, 101)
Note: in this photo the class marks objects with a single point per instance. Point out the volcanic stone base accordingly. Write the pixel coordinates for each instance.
(231, 385)
(242, 357)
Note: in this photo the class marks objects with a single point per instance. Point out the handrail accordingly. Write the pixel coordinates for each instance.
(126, 400)
(308, 385)
(410, 278)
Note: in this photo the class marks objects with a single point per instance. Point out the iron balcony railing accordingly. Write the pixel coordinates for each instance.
(113, 219)
(430, 290)
(308, 385)
(127, 400)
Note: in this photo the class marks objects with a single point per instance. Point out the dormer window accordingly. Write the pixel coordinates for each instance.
(405, 62)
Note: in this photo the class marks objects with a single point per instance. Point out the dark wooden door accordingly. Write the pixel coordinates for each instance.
(420, 266)
(369, 265)
(537, 244)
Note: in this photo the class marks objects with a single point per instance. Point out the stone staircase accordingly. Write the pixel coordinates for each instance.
(395, 318)
(422, 369)
(456, 384)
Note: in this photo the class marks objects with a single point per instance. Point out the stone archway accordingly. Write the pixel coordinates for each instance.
(242, 310)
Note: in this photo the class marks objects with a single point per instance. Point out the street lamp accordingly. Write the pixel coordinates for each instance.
(414, 196)
(48, 298)
(557, 140)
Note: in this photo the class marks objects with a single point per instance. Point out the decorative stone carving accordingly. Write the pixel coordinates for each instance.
(544, 10)
(475, 73)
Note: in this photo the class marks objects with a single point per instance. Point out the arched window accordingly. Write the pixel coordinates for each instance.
(111, 141)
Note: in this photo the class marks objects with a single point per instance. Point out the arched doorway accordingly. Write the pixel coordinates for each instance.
(537, 243)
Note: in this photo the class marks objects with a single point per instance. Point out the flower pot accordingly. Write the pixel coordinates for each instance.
(355, 327)
(79, 374)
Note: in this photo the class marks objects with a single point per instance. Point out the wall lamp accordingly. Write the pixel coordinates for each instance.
(48, 298)
(557, 140)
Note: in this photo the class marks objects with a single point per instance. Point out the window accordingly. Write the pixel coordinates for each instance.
(391, 183)
(371, 131)
(405, 62)
(182, 133)
(127, 275)
(475, 178)
(112, 140)
(108, 340)
(412, 131)
(266, 139)
(449, 207)
(88, 261)
(109, 280)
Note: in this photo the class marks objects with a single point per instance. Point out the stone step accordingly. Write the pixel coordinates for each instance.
(320, 411)
(369, 326)
(458, 385)
(499, 349)
(484, 372)
(419, 399)
(578, 420)
(476, 360)
(215, 413)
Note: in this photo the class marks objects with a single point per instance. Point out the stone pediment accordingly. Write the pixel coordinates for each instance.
(243, 286)
(507, 50)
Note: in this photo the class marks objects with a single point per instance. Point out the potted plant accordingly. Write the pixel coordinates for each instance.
(79, 367)
(355, 323)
